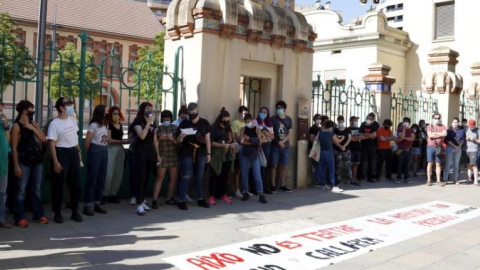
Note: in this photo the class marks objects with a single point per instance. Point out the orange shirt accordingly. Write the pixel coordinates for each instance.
(385, 133)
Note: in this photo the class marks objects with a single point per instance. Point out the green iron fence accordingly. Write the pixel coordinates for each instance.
(83, 78)
(252, 88)
(468, 107)
(336, 99)
(416, 107)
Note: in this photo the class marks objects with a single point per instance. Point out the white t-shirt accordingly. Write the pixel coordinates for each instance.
(100, 134)
(63, 132)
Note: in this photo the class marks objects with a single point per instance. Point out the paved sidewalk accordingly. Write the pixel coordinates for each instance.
(122, 240)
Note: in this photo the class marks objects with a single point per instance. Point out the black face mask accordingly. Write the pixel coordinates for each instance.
(192, 116)
(226, 123)
(30, 115)
(386, 126)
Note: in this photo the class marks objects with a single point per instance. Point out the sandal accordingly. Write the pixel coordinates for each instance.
(429, 183)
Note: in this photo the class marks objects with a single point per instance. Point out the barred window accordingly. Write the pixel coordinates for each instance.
(444, 20)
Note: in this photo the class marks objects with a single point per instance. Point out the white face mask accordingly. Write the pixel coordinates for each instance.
(318, 122)
(437, 121)
(368, 122)
(341, 125)
(355, 124)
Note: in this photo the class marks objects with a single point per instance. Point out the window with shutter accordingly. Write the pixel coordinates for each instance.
(444, 20)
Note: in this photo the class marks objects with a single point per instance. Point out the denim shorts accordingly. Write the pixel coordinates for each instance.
(279, 155)
(356, 157)
(415, 151)
(472, 158)
(431, 156)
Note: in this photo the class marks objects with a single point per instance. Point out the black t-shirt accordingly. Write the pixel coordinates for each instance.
(203, 128)
(343, 133)
(313, 131)
(354, 146)
(219, 134)
(418, 139)
(148, 140)
(117, 134)
(281, 128)
(364, 129)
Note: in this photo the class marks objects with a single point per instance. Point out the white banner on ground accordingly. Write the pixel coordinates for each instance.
(323, 245)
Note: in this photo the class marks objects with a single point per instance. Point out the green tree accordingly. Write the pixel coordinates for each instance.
(15, 61)
(150, 77)
(65, 73)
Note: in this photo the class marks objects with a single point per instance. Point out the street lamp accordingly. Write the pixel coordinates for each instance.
(363, 2)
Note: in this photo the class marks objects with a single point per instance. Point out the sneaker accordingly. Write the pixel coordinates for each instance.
(5, 225)
(114, 199)
(145, 206)
(285, 189)
(399, 181)
(255, 193)
(154, 204)
(203, 203)
(104, 200)
(87, 211)
(245, 196)
(273, 189)
(324, 187)
(211, 200)
(100, 210)
(22, 223)
(133, 201)
(225, 199)
(262, 199)
(58, 218)
(42, 220)
(355, 184)
(249, 193)
(182, 206)
(171, 201)
(238, 194)
(145, 202)
(267, 191)
(406, 181)
(337, 189)
(188, 199)
(140, 210)
(76, 217)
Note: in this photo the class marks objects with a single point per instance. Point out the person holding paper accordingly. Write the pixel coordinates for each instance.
(195, 153)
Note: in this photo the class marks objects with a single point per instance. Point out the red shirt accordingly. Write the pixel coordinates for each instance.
(404, 144)
(385, 133)
(435, 128)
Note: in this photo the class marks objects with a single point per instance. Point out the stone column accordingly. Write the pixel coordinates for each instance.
(443, 82)
(379, 82)
(474, 88)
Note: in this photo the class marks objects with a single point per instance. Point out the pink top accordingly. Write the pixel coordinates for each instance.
(435, 128)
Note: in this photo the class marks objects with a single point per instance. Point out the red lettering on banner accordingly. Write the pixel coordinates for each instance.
(215, 261)
(412, 214)
(288, 244)
(328, 233)
(441, 206)
(430, 222)
(381, 221)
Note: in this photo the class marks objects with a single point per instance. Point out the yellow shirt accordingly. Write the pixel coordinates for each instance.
(237, 125)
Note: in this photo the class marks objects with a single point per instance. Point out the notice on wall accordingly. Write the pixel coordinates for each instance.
(323, 245)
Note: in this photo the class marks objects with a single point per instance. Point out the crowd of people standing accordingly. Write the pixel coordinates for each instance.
(250, 150)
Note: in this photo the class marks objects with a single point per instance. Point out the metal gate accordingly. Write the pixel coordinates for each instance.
(251, 97)
(468, 108)
(416, 107)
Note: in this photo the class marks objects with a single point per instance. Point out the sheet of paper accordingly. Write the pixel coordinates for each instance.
(188, 131)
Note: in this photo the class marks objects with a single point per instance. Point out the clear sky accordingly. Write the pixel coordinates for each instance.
(349, 8)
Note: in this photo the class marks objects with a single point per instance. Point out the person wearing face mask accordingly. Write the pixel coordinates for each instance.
(4, 150)
(144, 152)
(343, 157)
(251, 140)
(223, 155)
(166, 147)
(96, 143)
(369, 146)
(313, 132)
(116, 155)
(280, 155)
(28, 142)
(473, 140)
(237, 124)
(264, 123)
(454, 140)
(182, 115)
(404, 143)
(195, 153)
(64, 148)
(385, 154)
(436, 132)
(355, 147)
(416, 149)
(327, 139)
(423, 145)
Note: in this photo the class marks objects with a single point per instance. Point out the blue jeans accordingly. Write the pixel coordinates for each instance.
(245, 163)
(452, 159)
(403, 163)
(32, 174)
(3, 195)
(327, 161)
(188, 170)
(279, 156)
(97, 163)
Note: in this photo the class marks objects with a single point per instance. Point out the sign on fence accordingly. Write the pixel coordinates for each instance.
(320, 246)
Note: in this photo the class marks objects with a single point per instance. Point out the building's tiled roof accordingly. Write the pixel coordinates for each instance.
(119, 17)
